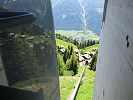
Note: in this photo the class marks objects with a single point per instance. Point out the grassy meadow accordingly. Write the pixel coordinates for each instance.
(85, 91)
(65, 44)
(91, 48)
(67, 83)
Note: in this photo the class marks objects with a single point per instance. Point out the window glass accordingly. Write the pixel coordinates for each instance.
(28, 51)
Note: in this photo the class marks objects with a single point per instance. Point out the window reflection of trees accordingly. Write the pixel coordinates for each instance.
(26, 54)
(29, 51)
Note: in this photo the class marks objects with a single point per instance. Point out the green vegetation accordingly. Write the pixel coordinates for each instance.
(80, 44)
(78, 35)
(72, 64)
(93, 62)
(67, 62)
(85, 91)
(71, 72)
(65, 44)
(91, 48)
(60, 64)
(66, 55)
(64, 38)
(67, 83)
(87, 43)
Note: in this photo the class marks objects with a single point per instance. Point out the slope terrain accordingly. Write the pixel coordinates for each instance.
(78, 14)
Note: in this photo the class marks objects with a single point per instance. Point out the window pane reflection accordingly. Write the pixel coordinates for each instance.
(28, 51)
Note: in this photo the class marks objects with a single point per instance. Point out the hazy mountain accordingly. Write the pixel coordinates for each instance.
(78, 14)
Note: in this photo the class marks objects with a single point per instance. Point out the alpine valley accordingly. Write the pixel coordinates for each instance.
(85, 15)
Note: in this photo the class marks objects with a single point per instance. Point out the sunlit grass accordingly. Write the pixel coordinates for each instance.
(85, 91)
(65, 44)
(91, 47)
(67, 83)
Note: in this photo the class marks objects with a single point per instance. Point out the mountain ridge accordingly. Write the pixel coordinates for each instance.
(78, 14)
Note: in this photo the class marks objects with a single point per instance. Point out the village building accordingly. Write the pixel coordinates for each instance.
(61, 48)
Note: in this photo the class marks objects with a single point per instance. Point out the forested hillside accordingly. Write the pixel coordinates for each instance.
(70, 66)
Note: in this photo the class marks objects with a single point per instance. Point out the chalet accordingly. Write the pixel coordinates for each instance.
(61, 49)
(80, 58)
(86, 55)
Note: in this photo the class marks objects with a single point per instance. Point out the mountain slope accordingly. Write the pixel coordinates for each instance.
(66, 15)
(78, 14)
(65, 44)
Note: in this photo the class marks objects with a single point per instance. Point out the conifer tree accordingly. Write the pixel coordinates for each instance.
(60, 64)
(65, 56)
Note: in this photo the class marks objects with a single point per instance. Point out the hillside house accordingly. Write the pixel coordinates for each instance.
(85, 59)
(61, 48)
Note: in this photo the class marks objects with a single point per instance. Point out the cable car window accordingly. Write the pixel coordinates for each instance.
(27, 47)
